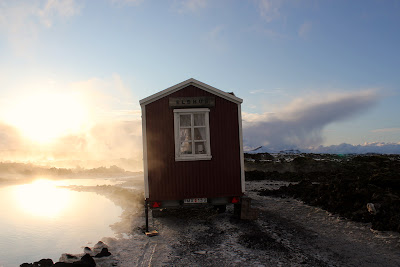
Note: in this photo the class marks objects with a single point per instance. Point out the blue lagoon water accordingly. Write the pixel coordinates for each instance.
(43, 220)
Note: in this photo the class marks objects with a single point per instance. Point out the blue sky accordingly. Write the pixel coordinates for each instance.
(288, 60)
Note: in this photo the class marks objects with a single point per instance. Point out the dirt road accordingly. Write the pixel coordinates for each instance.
(287, 233)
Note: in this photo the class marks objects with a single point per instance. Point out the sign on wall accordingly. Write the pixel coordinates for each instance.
(199, 101)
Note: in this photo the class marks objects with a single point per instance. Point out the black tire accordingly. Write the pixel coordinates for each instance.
(220, 208)
(156, 213)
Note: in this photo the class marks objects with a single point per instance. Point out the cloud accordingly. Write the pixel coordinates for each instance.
(257, 91)
(275, 13)
(270, 33)
(104, 143)
(58, 9)
(269, 91)
(305, 29)
(300, 124)
(269, 9)
(10, 139)
(104, 140)
(109, 98)
(215, 38)
(387, 130)
(117, 130)
(21, 21)
(375, 147)
(184, 6)
(112, 131)
(127, 2)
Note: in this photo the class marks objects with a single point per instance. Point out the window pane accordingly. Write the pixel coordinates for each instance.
(186, 148)
(199, 119)
(200, 133)
(185, 120)
(200, 148)
(185, 135)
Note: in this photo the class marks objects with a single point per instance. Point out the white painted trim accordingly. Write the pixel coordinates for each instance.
(241, 149)
(208, 143)
(192, 157)
(176, 133)
(145, 169)
(191, 110)
(183, 84)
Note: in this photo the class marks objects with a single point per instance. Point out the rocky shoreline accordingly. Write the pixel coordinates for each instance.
(90, 257)
(101, 254)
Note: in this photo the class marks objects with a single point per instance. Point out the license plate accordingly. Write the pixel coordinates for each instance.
(195, 200)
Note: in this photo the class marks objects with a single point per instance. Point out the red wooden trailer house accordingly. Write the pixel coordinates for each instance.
(192, 146)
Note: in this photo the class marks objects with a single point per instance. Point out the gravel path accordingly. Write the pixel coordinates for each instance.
(319, 234)
(287, 233)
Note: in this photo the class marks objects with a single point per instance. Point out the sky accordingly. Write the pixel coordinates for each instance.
(314, 75)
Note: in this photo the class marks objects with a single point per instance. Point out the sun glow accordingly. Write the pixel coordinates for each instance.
(42, 198)
(45, 116)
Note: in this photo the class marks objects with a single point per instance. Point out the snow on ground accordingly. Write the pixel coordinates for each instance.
(287, 233)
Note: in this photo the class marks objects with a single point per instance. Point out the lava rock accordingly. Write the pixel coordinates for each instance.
(85, 261)
(99, 246)
(87, 250)
(44, 263)
(364, 189)
(64, 264)
(88, 260)
(69, 256)
(41, 263)
(104, 253)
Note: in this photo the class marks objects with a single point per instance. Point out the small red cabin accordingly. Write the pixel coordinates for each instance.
(192, 146)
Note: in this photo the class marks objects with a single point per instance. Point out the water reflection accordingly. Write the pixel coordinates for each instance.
(42, 198)
(42, 220)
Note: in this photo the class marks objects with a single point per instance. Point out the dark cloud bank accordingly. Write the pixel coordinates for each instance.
(300, 125)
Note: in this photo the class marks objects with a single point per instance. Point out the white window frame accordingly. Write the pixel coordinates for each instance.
(193, 156)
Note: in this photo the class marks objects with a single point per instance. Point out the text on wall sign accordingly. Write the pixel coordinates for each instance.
(199, 101)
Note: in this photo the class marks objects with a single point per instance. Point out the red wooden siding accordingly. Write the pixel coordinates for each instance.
(173, 180)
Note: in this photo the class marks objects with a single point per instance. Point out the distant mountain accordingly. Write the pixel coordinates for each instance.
(263, 149)
(372, 148)
(256, 150)
(290, 151)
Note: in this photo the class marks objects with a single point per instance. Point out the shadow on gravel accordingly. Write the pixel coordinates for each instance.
(186, 213)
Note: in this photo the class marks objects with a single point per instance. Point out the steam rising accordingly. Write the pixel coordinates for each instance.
(109, 143)
(300, 124)
(110, 135)
(118, 141)
(9, 138)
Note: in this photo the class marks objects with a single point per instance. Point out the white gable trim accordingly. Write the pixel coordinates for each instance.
(145, 169)
(183, 84)
(242, 174)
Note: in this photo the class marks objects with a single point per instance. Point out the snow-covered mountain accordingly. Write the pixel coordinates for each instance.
(377, 147)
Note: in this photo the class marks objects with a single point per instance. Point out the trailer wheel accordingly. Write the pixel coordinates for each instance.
(220, 208)
(156, 213)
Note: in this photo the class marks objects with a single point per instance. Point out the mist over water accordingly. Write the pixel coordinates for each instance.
(42, 220)
(105, 144)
